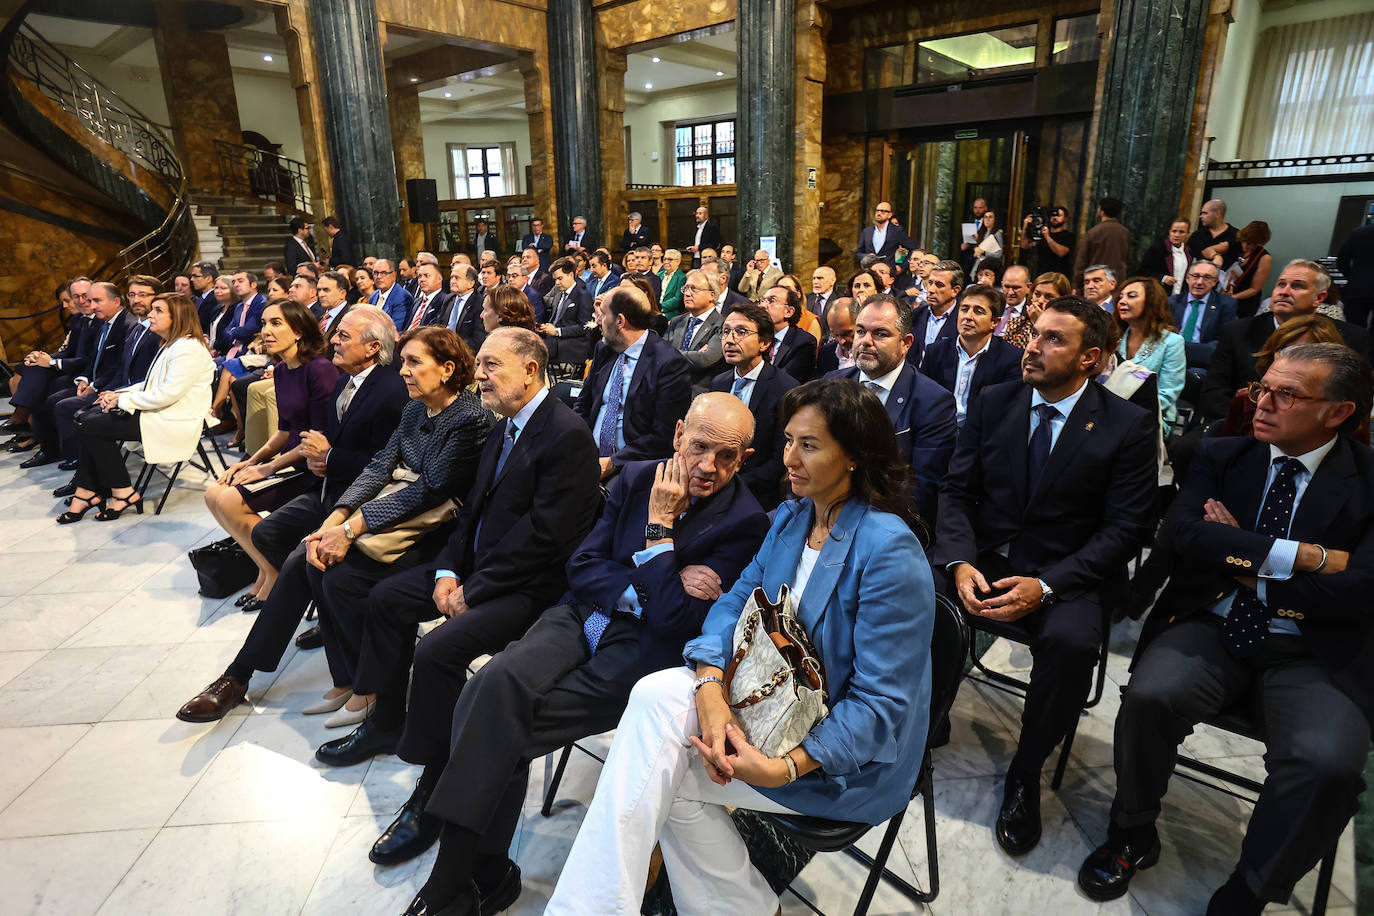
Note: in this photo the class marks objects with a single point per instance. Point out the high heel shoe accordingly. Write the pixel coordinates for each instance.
(244, 599)
(109, 513)
(66, 518)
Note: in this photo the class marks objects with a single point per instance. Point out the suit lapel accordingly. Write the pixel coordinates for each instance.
(820, 588)
(538, 419)
(1019, 425)
(486, 471)
(641, 370)
(1250, 472)
(1325, 494)
(1077, 428)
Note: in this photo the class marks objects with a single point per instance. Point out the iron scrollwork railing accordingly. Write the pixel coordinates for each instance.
(170, 246)
(250, 171)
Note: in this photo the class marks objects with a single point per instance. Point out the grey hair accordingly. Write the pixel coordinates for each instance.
(525, 344)
(956, 273)
(1349, 379)
(1323, 276)
(1203, 262)
(713, 280)
(426, 257)
(518, 265)
(635, 214)
(378, 327)
(721, 265)
(1111, 274)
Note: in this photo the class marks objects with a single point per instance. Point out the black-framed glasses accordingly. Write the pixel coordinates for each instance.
(1283, 398)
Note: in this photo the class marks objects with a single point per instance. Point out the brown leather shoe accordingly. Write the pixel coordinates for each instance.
(212, 703)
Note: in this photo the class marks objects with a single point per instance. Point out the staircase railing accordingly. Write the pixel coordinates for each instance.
(247, 171)
(170, 245)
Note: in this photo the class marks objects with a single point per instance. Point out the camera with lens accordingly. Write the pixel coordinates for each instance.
(1040, 218)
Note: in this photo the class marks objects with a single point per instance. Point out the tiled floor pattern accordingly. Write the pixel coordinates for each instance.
(109, 805)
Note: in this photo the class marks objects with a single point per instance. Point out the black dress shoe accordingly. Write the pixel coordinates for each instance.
(67, 489)
(19, 445)
(365, 742)
(1107, 872)
(38, 460)
(503, 893)
(9, 426)
(411, 833)
(1018, 823)
(67, 464)
(465, 905)
(310, 639)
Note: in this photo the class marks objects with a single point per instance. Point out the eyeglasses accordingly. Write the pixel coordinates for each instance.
(882, 210)
(382, 273)
(735, 333)
(697, 289)
(1283, 398)
(1191, 275)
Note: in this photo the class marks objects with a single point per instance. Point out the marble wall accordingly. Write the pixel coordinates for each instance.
(813, 24)
(408, 144)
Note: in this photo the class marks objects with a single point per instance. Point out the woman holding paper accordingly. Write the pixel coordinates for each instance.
(987, 241)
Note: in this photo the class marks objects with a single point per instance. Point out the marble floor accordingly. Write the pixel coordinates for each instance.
(110, 805)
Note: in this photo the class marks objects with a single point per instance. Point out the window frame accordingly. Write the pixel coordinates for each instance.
(503, 150)
(714, 159)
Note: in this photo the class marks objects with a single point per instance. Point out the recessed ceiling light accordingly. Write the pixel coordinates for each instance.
(414, 79)
(648, 85)
(655, 59)
(448, 95)
(267, 57)
(720, 73)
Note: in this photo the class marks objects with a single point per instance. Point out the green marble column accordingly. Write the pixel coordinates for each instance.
(1146, 112)
(576, 114)
(765, 126)
(357, 124)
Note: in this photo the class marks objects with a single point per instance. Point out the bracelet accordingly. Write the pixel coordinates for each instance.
(703, 681)
(791, 767)
(1325, 556)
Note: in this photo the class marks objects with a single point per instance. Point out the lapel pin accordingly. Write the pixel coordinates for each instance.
(901, 400)
(1088, 427)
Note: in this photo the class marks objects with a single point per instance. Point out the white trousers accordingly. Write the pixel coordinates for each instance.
(654, 789)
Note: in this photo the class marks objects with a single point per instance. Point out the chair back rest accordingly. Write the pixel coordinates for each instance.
(949, 647)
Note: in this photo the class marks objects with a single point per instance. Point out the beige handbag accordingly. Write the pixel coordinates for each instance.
(387, 545)
(775, 682)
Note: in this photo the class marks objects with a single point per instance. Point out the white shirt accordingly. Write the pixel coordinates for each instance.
(963, 378)
(746, 391)
(885, 381)
(697, 242)
(805, 566)
(1180, 262)
(1065, 406)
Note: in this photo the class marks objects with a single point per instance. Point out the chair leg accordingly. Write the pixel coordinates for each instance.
(1101, 672)
(1064, 756)
(1328, 867)
(145, 477)
(218, 454)
(552, 792)
(310, 612)
(876, 872)
(932, 846)
(168, 492)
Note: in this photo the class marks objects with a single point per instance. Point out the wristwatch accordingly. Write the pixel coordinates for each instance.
(655, 532)
(348, 529)
(1046, 593)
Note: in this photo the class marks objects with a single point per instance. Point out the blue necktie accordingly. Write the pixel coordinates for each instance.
(1247, 623)
(607, 443)
(511, 432)
(100, 350)
(737, 389)
(692, 323)
(457, 313)
(1039, 451)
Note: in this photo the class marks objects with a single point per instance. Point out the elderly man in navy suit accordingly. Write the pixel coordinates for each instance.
(922, 413)
(1266, 613)
(1048, 495)
(976, 358)
(883, 238)
(368, 401)
(674, 535)
(639, 385)
(1200, 312)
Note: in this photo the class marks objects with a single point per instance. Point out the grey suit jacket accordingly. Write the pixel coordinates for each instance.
(704, 357)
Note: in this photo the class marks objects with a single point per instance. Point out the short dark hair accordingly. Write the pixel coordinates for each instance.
(298, 223)
(444, 346)
(207, 268)
(632, 304)
(997, 303)
(758, 316)
(277, 266)
(1111, 207)
(331, 221)
(905, 312)
(794, 301)
(952, 268)
(600, 257)
(153, 283)
(564, 264)
(252, 277)
(310, 279)
(1349, 379)
(1097, 324)
(337, 276)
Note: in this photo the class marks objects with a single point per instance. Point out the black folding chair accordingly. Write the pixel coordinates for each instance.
(145, 475)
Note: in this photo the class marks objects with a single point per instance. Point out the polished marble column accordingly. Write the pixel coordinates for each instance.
(576, 115)
(357, 124)
(765, 126)
(198, 83)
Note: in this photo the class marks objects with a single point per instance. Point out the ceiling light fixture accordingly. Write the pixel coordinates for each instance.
(720, 73)
(655, 59)
(648, 85)
(267, 57)
(414, 79)
(448, 95)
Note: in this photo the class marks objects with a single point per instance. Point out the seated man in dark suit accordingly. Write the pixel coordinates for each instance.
(569, 307)
(794, 350)
(1200, 312)
(727, 299)
(921, 411)
(533, 500)
(1266, 613)
(746, 336)
(1300, 288)
(673, 536)
(838, 351)
(44, 372)
(696, 332)
(537, 271)
(431, 301)
(936, 319)
(976, 358)
(368, 402)
(639, 385)
(1048, 494)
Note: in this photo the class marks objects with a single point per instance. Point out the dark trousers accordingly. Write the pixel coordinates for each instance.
(102, 467)
(36, 384)
(285, 527)
(1357, 310)
(341, 595)
(64, 418)
(1065, 640)
(395, 608)
(1316, 740)
(43, 419)
(539, 694)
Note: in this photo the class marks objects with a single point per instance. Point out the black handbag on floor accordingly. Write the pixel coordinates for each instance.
(223, 568)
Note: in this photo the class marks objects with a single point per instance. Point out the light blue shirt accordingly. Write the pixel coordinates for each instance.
(632, 353)
(935, 322)
(742, 386)
(1065, 407)
(963, 377)
(1278, 564)
(521, 418)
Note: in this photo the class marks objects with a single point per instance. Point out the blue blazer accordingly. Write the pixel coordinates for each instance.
(1167, 360)
(722, 531)
(1218, 310)
(923, 416)
(919, 320)
(1002, 363)
(542, 246)
(246, 330)
(605, 284)
(869, 609)
(398, 303)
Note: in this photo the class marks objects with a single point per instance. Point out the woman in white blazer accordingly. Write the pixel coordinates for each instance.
(166, 412)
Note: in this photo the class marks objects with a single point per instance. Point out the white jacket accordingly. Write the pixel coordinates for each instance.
(173, 401)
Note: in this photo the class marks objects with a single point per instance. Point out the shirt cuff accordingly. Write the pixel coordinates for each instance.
(949, 567)
(444, 574)
(644, 556)
(81, 378)
(1278, 564)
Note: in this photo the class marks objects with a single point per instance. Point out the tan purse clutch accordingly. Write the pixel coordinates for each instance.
(387, 545)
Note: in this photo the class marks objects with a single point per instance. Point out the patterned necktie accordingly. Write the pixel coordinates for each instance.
(594, 628)
(607, 442)
(324, 324)
(1190, 325)
(692, 324)
(511, 432)
(346, 396)
(737, 389)
(1247, 624)
(875, 388)
(1038, 452)
(562, 305)
(420, 308)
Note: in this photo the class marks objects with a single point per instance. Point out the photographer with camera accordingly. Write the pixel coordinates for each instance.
(1047, 229)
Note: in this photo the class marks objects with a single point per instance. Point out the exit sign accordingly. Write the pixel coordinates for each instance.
(966, 134)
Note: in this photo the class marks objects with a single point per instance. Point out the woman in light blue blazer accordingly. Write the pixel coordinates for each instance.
(1149, 339)
(846, 550)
